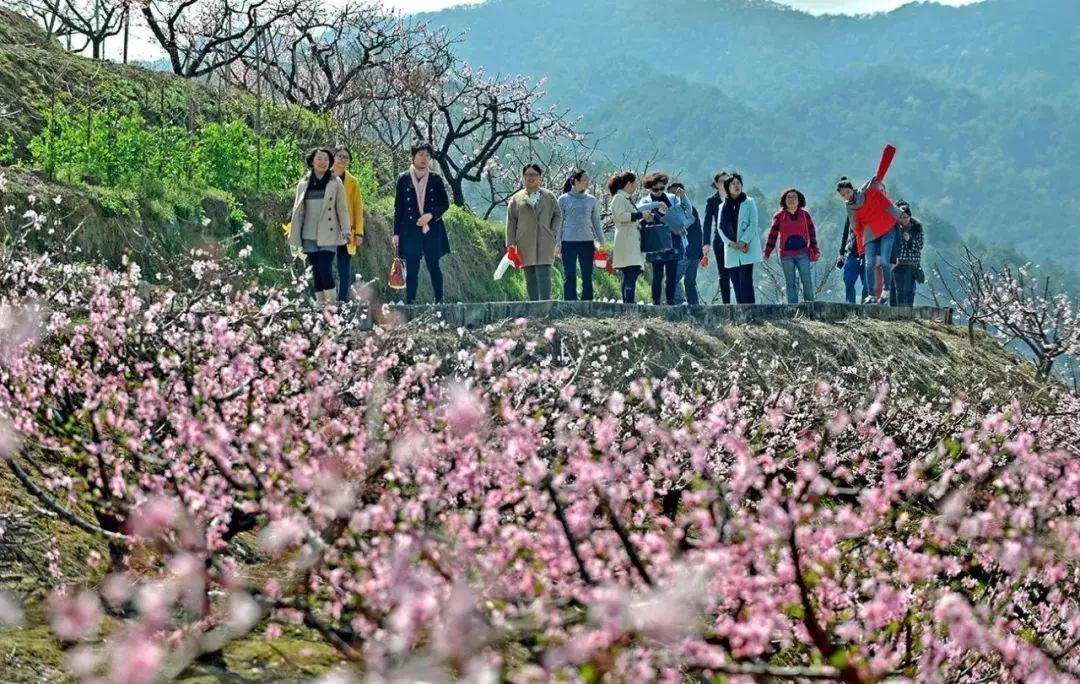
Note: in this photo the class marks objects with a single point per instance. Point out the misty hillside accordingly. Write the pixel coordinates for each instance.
(978, 99)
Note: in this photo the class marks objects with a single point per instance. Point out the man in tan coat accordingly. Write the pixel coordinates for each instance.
(533, 222)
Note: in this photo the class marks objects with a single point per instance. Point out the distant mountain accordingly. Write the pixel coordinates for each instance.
(980, 100)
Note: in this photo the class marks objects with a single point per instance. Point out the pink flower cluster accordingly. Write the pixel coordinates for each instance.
(516, 511)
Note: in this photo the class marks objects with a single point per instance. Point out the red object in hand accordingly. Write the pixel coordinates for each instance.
(886, 161)
(704, 261)
(515, 258)
(599, 258)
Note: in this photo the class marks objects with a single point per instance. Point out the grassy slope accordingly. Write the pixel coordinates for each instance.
(36, 72)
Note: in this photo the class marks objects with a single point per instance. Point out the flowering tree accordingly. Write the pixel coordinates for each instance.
(522, 508)
(202, 37)
(501, 177)
(328, 58)
(468, 116)
(1020, 308)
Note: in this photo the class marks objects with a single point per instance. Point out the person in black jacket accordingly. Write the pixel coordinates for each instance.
(712, 236)
(420, 201)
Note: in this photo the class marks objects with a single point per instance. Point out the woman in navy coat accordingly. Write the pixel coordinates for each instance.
(419, 233)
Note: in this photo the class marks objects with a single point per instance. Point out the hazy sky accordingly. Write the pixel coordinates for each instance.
(814, 6)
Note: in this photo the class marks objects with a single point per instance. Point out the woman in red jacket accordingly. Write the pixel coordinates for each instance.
(873, 218)
(794, 227)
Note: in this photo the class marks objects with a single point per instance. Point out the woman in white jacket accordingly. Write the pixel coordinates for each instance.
(627, 256)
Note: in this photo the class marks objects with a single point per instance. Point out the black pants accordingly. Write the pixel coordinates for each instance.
(725, 273)
(431, 252)
(904, 286)
(629, 283)
(574, 255)
(665, 276)
(742, 281)
(725, 280)
(322, 269)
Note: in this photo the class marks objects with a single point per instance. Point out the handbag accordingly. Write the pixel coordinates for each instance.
(677, 219)
(920, 275)
(655, 238)
(396, 281)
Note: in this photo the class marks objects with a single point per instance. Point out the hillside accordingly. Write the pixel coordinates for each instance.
(37, 74)
(150, 221)
(974, 97)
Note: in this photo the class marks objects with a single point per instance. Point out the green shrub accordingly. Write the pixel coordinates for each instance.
(120, 149)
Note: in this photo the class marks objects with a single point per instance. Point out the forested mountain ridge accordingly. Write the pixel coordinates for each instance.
(979, 99)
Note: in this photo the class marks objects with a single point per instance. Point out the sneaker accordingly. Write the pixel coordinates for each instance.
(884, 297)
(870, 300)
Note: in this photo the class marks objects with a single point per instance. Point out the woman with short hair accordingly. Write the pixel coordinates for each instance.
(320, 220)
(420, 200)
(533, 222)
(793, 227)
(665, 263)
(742, 238)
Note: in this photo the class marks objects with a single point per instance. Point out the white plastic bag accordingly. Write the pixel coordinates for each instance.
(503, 266)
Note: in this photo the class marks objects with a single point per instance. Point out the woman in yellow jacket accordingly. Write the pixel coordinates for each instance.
(342, 159)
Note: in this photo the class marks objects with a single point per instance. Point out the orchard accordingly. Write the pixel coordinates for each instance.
(516, 508)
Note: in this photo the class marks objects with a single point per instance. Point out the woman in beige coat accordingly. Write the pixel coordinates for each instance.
(627, 256)
(320, 221)
(533, 222)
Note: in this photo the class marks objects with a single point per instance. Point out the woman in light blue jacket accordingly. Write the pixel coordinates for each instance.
(742, 238)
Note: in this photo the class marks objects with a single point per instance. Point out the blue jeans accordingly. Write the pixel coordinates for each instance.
(344, 273)
(686, 277)
(881, 247)
(853, 272)
(800, 264)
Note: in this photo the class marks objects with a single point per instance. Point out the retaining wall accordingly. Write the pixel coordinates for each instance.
(478, 314)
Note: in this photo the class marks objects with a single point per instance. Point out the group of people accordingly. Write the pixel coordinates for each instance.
(881, 246)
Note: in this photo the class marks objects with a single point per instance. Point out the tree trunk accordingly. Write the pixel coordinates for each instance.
(457, 193)
(1046, 363)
